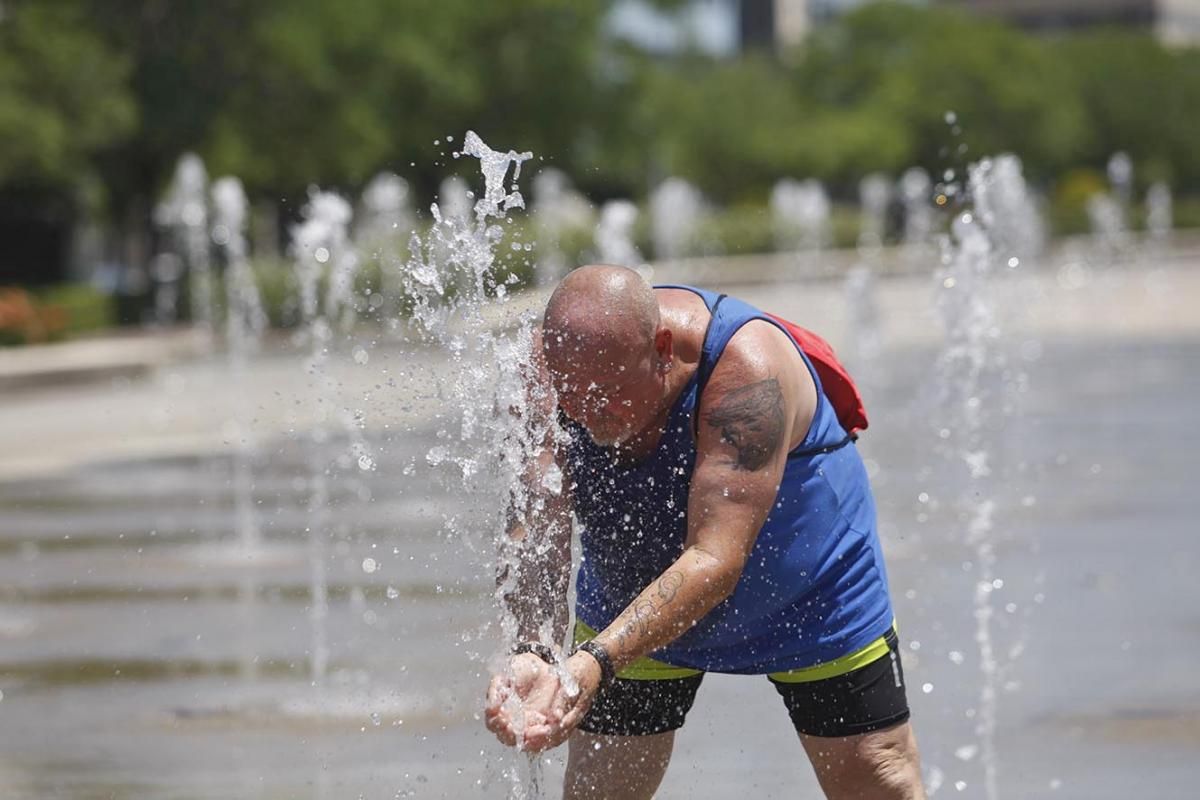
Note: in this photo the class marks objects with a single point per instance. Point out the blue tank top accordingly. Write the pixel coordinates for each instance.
(814, 587)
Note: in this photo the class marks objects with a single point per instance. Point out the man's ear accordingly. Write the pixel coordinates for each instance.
(664, 347)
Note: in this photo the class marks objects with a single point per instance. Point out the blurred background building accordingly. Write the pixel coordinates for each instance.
(785, 23)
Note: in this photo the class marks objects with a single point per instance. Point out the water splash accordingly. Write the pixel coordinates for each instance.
(184, 211)
(866, 338)
(614, 234)
(323, 254)
(916, 193)
(874, 195)
(1159, 217)
(800, 217)
(245, 322)
(971, 365)
(557, 211)
(1120, 176)
(492, 434)
(675, 209)
(1108, 213)
(383, 226)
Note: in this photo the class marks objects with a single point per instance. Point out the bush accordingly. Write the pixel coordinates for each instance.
(24, 321)
(52, 314)
(85, 308)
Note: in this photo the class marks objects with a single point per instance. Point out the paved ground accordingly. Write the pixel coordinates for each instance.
(142, 654)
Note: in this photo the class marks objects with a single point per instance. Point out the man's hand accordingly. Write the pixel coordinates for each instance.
(535, 706)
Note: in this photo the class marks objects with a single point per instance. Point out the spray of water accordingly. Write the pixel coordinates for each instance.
(557, 210)
(675, 209)
(866, 339)
(915, 188)
(245, 322)
(1159, 218)
(800, 214)
(323, 254)
(971, 366)
(184, 211)
(385, 222)
(614, 234)
(491, 436)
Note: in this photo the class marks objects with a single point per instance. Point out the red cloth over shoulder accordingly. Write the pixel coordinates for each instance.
(839, 386)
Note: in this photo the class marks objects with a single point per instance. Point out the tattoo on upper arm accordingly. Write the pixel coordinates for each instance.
(751, 419)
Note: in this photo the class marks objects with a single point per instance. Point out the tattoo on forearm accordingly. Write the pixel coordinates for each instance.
(751, 419)
(668, 585)
(643, 610)
(637, 619)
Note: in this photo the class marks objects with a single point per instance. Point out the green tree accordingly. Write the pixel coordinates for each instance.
(63, 95)
(1007, 90)
(1141, 98)
(342, 90)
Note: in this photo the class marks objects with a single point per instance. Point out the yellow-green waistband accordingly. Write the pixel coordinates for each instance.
(649, 669)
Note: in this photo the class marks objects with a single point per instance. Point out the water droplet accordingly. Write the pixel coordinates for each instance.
(927, 688)
(321, 254)
(956, 657)
(392, 593)
(552, 481)
(361, 356)
(960, 785)
(966, 752)
(366, 463)
(369, 565)
(951, 118)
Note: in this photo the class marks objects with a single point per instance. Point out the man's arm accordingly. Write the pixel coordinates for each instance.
(535, 557)
(534, 567)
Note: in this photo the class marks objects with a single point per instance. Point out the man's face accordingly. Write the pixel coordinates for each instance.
(612, 393)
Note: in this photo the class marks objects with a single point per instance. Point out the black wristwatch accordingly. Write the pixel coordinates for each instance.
(607, 673)
(542, 651)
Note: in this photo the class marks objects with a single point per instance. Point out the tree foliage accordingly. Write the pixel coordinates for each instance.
(63, 94)
(291, 92)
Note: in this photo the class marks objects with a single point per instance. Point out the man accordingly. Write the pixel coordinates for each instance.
(726, 525)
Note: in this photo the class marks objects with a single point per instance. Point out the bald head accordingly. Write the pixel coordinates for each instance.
(600, 306)
(607, 351)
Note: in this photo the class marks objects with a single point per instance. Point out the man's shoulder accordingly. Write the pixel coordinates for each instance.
(757, 347)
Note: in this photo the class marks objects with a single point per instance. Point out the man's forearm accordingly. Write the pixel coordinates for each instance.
(691, 587)
(533, 578)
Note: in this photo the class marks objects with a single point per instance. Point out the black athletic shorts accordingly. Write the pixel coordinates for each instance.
(865, 699)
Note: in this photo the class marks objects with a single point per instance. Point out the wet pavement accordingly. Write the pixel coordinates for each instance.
(143, 653)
